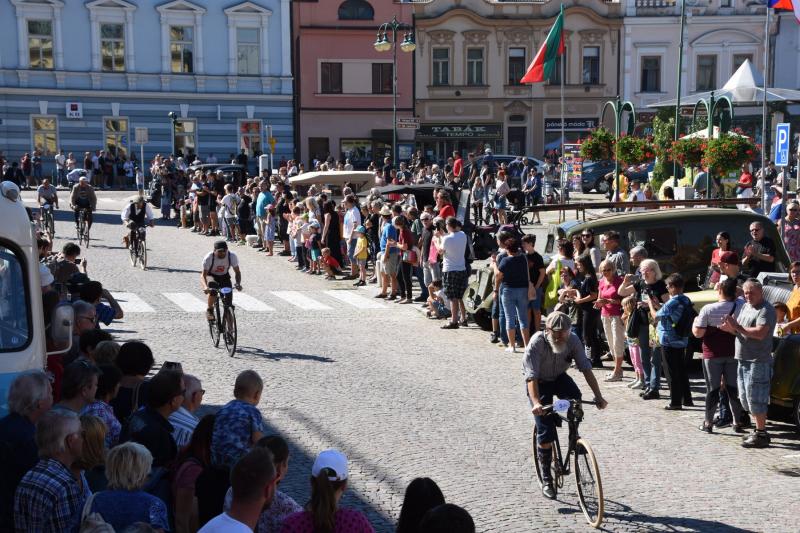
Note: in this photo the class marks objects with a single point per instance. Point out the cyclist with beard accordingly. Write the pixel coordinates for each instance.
(547, 359)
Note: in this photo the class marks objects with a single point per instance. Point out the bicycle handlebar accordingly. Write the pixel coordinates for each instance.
(572, 401)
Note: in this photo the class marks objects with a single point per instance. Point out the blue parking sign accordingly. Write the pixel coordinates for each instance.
(782, 145)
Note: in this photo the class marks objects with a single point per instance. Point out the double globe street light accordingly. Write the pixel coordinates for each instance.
(383, 44)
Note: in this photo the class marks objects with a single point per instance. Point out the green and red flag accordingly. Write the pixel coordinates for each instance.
(541, 69)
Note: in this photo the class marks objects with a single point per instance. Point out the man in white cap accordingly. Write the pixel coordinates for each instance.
(545, 364)
(83, 197)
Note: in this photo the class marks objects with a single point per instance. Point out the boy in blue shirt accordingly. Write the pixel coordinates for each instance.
(239, 424)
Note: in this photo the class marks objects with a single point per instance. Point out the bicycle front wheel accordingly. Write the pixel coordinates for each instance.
(590, 486)
(229, 333)
(216, 325)
(132, 252)
(142, 254)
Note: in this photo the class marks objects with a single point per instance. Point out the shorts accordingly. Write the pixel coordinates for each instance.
(501, 203)
(753, 381)
(315, 254)
(222, 281)
(455, 283)
(536, 305)
(391, 264)
(362, 263)
(204, 213)
(441, 310)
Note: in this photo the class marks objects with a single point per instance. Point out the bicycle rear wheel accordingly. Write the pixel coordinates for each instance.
(132, 252)
(229, 333)
(555, 469)
(590, 486)
(142, 254)
(216, 325)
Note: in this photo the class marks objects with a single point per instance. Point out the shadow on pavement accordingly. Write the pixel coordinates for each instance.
(630, 518)
(171, 269)
(296, 482)
(279, 356)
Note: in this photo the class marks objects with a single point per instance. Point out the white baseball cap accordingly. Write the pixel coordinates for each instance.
(334, 461)
(45, 275)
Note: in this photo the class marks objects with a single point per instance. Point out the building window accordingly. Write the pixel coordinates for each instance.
(248, 51)
(115, 134)
(112, 47)
(725, 3)
(40, 44)
(474, 66)
(555, 76)
(651, 75)
(356, 10)
(381, 78)
(358, 151)
(516, 65)
(441, 66)
(739, 59)
(45, 134)
(330, 76)
(181, 47)
(250, 137)
(185, 136)
(706, 72)
(591, 65)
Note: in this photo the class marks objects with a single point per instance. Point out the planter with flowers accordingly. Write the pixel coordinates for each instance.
(689, 151)
(729, 152)
(598, 146)
(634, 150)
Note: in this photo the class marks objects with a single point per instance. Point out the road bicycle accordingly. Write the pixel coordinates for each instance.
(47, 223)
(83, 226)
(224, 324)
(137, 247)
(587, 471)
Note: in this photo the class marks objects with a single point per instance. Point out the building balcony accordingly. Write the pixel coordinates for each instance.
(458, 91)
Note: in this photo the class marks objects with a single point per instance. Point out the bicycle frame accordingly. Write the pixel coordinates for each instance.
(573, 418)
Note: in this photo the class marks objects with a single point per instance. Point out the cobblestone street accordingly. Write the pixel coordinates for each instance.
(402, 398)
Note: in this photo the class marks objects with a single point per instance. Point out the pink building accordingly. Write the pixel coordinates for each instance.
(344, 86)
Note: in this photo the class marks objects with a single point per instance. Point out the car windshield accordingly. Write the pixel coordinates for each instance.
(15, 328)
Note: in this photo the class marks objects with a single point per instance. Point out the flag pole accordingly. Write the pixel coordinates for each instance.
(764, 115)
(563, 123)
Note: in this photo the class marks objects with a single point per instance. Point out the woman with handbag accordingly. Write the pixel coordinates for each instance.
(590, 317)
(408, 258)
(609, 303)
(514, 291)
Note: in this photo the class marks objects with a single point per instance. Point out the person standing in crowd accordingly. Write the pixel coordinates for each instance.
(793, 303)
(615, 254)
(513, 276)
(791, 230)
(107, 386)
(422, 495)
(455, 275)
(184, 420)
(478, 198)
(406, 243)
(753, 327)
(668, 318)
(609, 302)
(389, 256)
(49, 497)
(759, 252)
(588, 291)
(352, 220)
(643, 288)
(331, 231)
(192, 460)
(78, 386)
(538, 276)
(444, 205)
(135, 359)
(719, 365)
(591, 249)
(637, 255)
(30, 396)
(239, 423)
(329, 476)
(724, 244)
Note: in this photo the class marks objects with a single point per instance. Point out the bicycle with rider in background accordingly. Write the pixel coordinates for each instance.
(47, 198)
(216, 267)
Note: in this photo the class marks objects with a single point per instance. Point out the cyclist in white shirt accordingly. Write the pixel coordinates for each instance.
(216, 266)
(136, 214)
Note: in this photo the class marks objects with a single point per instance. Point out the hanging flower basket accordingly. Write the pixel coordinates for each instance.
(598, 146)
(689, 151)
(729, 152)
(634, 150)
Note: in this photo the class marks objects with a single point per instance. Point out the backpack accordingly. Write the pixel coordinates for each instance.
(683, 327)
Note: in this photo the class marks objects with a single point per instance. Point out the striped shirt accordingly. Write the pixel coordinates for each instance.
(183, 423)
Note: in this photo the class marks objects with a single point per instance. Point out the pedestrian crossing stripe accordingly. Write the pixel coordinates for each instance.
(131, 303)
(350, 297)
(248, 303)
(187, 302)
(300, 300)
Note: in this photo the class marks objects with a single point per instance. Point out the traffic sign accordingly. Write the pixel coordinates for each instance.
(408, 123)
(142, 136)
(782, 145)
(272, 142)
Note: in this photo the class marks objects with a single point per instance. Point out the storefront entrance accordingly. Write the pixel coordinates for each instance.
(439, 141)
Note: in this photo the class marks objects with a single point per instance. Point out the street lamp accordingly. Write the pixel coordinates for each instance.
(713, 106)
(619, 107)
(383, 44)
(174, 120)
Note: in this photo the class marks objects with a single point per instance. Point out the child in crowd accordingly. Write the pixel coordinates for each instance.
(329, 264)
(438, 304)
(782, 316)
(239, 424)
(295, 223)
(230, 205)
(270, 228)
(314, 248)
(629, 310)
(361, 254)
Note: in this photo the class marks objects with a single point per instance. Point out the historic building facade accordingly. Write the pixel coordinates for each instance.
(344, 85)
(82, 76)
(472, 54)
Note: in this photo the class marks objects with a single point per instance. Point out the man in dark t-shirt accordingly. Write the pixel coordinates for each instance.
(759, 253)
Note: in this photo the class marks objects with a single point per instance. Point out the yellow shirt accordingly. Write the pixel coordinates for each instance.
(361, 251)
(794, 307)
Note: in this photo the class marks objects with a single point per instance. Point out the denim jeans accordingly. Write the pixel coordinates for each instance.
(515, 306)
(417, 273)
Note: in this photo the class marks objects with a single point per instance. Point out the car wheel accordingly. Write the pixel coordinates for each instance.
(601, 186)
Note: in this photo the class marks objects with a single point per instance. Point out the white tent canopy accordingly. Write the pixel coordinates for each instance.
(745, 87)
(703, 134)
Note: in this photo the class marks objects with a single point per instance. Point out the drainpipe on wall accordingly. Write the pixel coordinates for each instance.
(295, 85)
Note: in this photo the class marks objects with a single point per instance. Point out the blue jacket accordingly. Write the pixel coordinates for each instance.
(668, 317)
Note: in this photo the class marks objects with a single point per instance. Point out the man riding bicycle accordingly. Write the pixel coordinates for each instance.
(46, 194)
(216, 265)
(545, 365)
(83, 197)
(137, 214)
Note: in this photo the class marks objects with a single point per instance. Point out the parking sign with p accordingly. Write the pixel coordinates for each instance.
(782, 145)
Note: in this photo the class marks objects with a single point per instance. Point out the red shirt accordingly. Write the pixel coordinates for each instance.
(458, 166)
(447, 211)
(746, 180)
(332, 262)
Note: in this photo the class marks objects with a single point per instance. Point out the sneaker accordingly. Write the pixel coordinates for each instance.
(757, 439)
(611, 377)
(494, 339)
(420, 299)
(548, 490)
(634, 384)
(708, 428)
(450, 325)
(511, 349)
(719, 424)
